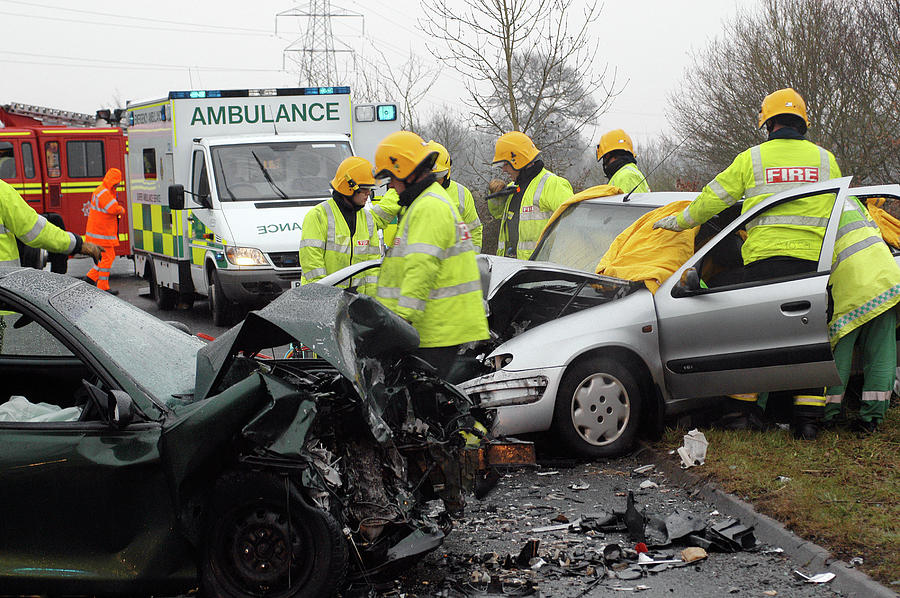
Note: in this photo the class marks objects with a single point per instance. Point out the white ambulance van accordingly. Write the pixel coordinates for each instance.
(219, 182)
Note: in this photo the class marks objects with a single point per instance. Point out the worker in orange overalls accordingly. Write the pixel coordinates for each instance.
(103, 227)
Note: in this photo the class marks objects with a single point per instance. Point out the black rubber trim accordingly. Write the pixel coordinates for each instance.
(752, 359)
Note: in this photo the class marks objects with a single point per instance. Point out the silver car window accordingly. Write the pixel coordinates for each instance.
(581, 236)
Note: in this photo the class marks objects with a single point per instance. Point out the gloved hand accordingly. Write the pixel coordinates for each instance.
(496, 185)
(668, 223)
(94, 251)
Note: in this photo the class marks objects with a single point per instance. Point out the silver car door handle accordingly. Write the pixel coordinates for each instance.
(795, 307)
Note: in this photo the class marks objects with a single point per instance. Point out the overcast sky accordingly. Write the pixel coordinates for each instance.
(82, 56)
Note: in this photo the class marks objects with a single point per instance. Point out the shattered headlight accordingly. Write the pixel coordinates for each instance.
(498, 362)
(245, 256)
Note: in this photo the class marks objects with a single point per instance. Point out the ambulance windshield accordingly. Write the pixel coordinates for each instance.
(277, 170)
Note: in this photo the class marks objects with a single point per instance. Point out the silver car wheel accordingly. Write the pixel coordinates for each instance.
(600, 409)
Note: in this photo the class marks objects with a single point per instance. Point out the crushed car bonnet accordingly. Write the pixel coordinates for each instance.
(342, 328)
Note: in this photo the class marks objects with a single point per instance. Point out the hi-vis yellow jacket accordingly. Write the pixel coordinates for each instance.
(327, 246)
(793, 229)
(629, 178)
(430, 276)
(865, 279)
(466, 206)
(544, 194)
(18, 219)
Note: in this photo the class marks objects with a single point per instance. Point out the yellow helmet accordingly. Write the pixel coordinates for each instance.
(353, 174)
(616, 139)
(783, 101)
(516, 148)
(442, 165)
(400, 153)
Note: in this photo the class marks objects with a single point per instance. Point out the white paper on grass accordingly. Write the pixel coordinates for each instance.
(694, 450)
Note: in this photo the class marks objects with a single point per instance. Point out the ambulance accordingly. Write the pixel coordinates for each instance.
(219, 182)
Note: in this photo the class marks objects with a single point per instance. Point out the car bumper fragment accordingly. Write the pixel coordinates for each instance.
(502, 389)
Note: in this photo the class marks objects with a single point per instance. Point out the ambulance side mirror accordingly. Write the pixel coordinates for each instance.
(176, 197)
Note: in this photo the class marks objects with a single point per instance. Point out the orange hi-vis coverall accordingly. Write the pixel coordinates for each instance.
(103, 226)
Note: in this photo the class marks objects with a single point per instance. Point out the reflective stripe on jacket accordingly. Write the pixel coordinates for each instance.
(534, 214)
(18, 219)
(326, 245)
(386, 210)
(865, 279)
(103, 218)
(466, 207)
(629, 178)
(430, 275)
(793, 229)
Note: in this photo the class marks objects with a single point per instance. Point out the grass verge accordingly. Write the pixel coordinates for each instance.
(843, 492)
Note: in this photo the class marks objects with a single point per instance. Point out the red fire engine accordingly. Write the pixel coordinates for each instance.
(55, 159)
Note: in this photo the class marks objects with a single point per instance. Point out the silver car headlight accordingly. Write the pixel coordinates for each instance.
(245, 256)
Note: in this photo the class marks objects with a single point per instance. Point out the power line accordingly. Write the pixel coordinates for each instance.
(142, 19)
(130, 64)
(143, 27)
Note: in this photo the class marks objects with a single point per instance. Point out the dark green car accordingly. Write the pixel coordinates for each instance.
(137, 460)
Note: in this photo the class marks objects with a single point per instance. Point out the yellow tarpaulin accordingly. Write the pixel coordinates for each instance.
(643, 254)
(890, 226)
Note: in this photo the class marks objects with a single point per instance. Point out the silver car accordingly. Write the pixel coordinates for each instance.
(593, 358)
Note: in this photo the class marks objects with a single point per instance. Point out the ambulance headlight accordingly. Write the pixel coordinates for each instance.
(245, 256)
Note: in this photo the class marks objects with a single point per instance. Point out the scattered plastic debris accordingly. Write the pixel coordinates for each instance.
(646, 484)
(818, 578)
(543, 473)
(856, 561)
(580, 485)
(644, 468)
(783, 479)
(770, 593)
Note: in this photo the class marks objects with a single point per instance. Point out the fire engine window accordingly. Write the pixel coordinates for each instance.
(51, 149)
(7, 161)
(28, 159)
(85, 159)
(149, 163)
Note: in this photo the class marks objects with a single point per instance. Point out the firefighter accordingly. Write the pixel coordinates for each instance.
(429, 275)
(103, 227)
(616, 152)
(386, 207)
(338, 232)
(785, 240)
(865, 291)
(19, 220)
(532, 197)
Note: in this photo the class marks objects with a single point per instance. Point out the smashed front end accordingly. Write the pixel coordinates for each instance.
(366, 432)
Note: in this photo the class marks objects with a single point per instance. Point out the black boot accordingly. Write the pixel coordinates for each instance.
(805, 421)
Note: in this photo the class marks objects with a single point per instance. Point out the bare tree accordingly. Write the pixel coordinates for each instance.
(525, 67)
(822, 49)
(381, 79)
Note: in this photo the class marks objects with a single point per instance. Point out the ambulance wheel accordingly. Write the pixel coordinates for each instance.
(165, 298)
(219, 305)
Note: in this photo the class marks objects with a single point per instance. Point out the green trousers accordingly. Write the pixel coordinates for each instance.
(878, 348)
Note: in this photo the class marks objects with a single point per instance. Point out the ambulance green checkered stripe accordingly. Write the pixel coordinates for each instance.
(864, 309)
(153, 230)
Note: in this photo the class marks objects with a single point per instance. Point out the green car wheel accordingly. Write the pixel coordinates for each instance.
(264, 540)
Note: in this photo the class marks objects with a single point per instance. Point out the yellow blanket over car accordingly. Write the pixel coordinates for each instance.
(644, 254)
(890, 226)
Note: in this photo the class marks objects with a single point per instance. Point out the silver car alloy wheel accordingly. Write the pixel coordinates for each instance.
(600, 409)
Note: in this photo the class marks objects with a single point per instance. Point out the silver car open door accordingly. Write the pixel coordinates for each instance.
(749, 337)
